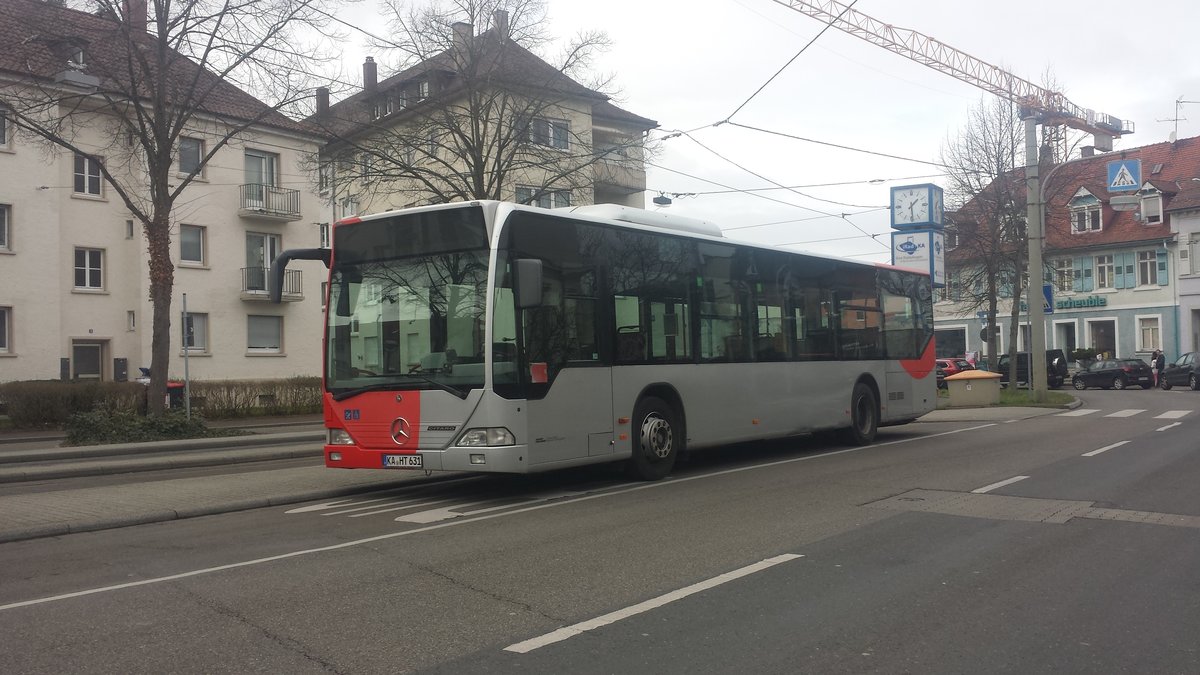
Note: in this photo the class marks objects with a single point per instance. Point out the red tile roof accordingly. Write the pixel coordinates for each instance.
(1180, 162)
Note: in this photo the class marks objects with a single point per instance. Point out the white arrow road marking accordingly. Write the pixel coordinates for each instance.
(1169, 426)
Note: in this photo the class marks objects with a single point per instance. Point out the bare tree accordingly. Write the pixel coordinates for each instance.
(137, 77)
(474, 112)
(986, 193)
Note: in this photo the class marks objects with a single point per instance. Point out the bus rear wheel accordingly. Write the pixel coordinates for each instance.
(864, 416)
(657, 439)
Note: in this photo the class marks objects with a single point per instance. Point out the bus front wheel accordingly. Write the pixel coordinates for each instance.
(864, 416)
(657, 439)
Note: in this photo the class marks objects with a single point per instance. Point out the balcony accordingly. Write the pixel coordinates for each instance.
(267, 202)
(256, 284)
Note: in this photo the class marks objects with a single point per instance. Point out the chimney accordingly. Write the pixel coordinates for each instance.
(370, 74)
(322, 100)
(135, 14)
(1087, 151)
(500, 23)
(462, 34)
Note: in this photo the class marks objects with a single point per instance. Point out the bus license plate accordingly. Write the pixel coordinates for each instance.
(402, 462)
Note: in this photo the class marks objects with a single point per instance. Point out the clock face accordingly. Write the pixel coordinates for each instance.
(910, 205)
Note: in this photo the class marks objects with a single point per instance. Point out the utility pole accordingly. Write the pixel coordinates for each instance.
(1035, 233)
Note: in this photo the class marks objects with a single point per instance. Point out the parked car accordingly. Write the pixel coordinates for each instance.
(1185, 370)
(948, 367)
(1056, 368)
(1114, 374)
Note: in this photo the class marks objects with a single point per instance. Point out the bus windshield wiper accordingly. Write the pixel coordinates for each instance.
(383, 386)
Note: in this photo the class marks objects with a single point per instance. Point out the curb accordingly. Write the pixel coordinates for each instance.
(134, 449)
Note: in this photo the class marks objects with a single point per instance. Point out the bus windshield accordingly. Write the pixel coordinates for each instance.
(406, 303)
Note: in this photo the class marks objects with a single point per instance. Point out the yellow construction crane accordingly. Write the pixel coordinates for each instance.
(1051, 107)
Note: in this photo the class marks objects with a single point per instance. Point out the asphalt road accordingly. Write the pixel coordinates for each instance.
(1056, 544)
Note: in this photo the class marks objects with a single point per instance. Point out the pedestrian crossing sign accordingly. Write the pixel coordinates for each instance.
(1124, 175)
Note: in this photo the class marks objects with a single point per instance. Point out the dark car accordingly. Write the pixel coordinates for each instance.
(1056, 368)
(1115, 374)
(1185, 370)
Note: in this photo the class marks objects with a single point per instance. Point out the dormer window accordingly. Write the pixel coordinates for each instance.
(1151, 205)
(75, 58)
(1086, 212)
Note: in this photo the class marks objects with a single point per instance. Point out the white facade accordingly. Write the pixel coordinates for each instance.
(74, 281)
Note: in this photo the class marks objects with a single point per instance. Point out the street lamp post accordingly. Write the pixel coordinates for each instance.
(1033, 292)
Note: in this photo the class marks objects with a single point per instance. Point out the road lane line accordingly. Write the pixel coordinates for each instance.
(1169, 426)
(1126, 413)
(1172, 415)
(993, 486)
(1104, 449)
(468, 521)
(1078, 412)
(654, 603)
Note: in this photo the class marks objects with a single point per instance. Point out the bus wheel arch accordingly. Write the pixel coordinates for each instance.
(658, 433)
(864, 412)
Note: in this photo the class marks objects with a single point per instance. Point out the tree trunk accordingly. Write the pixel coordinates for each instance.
(162, 280)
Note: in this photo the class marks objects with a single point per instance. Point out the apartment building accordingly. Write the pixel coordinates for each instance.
(74, 278)
(483, 119)
(1121, 231)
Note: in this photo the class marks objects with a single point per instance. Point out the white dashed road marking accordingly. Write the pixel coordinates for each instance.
(1126, 413)
(993, 486)
(1104, 449)
(1078, 412)
(1172, 415)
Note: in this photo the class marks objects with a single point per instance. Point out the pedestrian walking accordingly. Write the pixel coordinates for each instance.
(1160, 363)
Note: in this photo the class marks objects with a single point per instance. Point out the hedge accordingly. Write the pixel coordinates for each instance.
(49, 404)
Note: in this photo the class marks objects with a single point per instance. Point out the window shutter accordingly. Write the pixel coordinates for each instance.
(1119, 276)
(1162, 267)
(1077, 275)
(1087, 274)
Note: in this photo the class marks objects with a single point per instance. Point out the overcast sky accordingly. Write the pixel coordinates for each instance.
(691, 63)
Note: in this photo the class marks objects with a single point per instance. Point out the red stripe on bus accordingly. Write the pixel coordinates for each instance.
(922, 367)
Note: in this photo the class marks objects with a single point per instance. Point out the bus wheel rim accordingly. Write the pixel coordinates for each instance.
(657, 436)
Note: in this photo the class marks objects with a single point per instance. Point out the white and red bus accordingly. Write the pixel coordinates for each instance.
(490, 336)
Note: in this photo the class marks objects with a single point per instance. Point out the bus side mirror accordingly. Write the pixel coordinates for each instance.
(529, 282)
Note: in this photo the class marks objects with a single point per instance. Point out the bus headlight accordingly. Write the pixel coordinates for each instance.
(488, 437)
(339, 437)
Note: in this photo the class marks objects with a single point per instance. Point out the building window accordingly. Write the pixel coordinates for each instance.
(89, 269)
(1148, 334)
(5, 130)
(261, 168)
(265, 334)
(323, 234)
(1064, 274)
(5, 227)
(1147, 268)
(548, 132)
(1152, 209)
(349, 207)
(76, 58)
(195, 332)
(190, 152)
(191, 244)
(1104, 272)
(5, 330)
(130, 320)
(547, 199)
(324, 177)
(129, 229)
(1086, 220)
(87, 176)
(422, 90)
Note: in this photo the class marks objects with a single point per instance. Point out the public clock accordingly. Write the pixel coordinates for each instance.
(916, 206)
